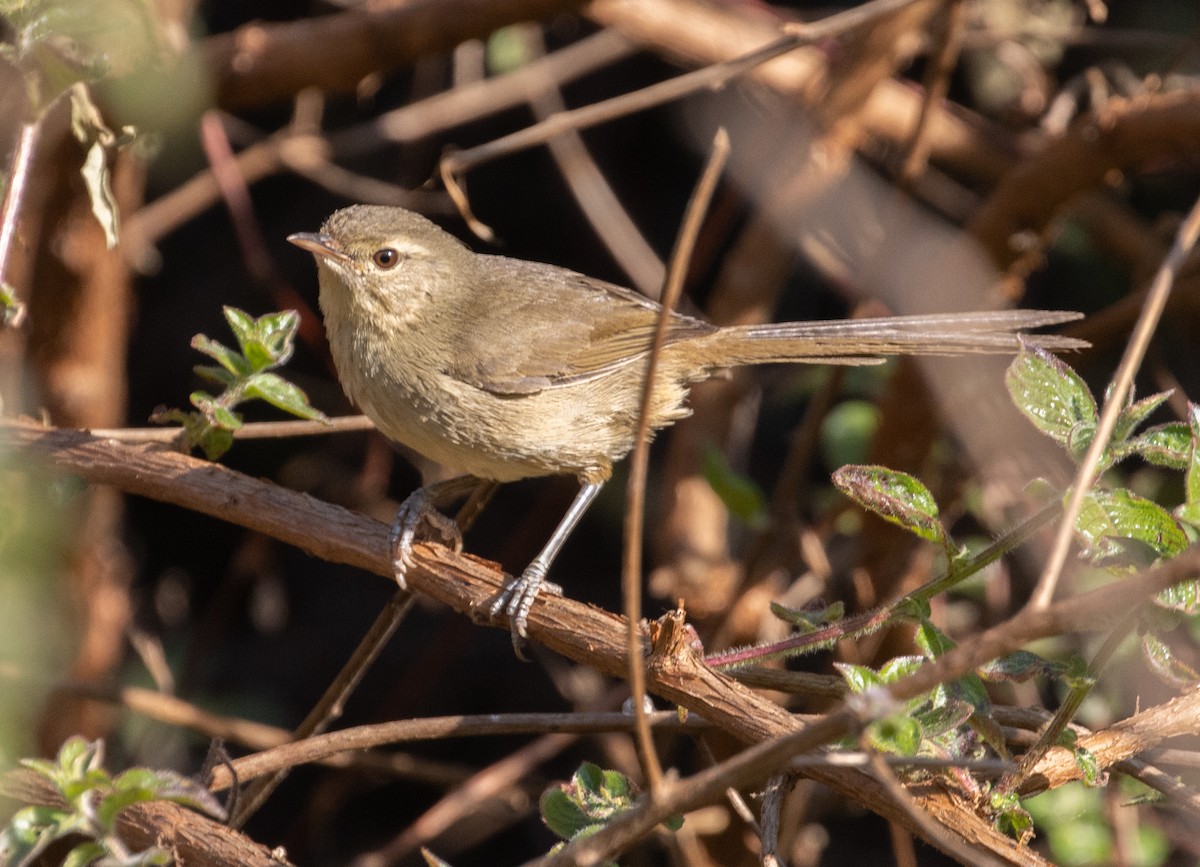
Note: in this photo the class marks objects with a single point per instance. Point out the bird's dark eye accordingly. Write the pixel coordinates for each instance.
(386, 258)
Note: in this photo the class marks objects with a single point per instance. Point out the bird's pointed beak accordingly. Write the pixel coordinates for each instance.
(319, 244)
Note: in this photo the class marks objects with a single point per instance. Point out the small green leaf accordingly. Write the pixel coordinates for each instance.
(899, 667)
(241, 324)
(808, 620)
(84, 854)
(1011, 818)
(215, 441)
(1089, 768)
(741, 496)
(1167, 445)
(1183, 597)
(858, 677)
(1050, 394)
(589, 778)
(215, 412)
(896, 497)
(222, 354)
(1166, 664)
(932, 641)
(561, 814)
(1016, 667)
(1109, 516)
(1134, 415)
(1189, 512)
(898, 734)
(945, 718)
(278, 392)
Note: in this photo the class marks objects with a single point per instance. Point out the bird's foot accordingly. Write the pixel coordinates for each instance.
(418, 509)
(517, 599)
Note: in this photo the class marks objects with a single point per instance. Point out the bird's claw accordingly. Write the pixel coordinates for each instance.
(517, 598)
(418, 509)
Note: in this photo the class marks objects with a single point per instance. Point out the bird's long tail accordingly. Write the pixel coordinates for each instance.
(865, 341)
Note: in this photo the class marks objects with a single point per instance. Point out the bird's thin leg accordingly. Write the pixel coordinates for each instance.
(517, 598)
(421, 507)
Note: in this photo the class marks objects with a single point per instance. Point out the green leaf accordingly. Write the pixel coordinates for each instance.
(1183, 597)
(809, 620)
(741, 496)
(217, 414)
(241, 324)
(1134, 415)
(1166, 664)
(931, 640)
(1190, 510)
(896, 497)
(1011, 818)
(944, 718)
(858, 677)
(267, 341)
(278, 392)
(898, 734)
(1167, 445)
(899, 667)
(1109, 516)
(1089, 768)
(215, 441)
(222, 354)
(1016, 667)
(84, 854)
(1051, 395)
(561, 814)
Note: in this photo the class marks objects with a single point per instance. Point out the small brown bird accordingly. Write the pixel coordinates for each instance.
(507, 369)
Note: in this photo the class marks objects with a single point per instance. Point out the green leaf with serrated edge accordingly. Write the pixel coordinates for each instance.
(222, 354)
(277, 332)
(896, 497)
(589, 778)
(1183, 597)
(1049, 393)
(617, 785)
(1017, 667)
(740, 495)
(278, 392)
(858, 677)
(899, 667)
(241, 324)
(561, 814)
(1166, 445)
(1122, 514)
(1164, 663)
(1135, 414)
(932, 641)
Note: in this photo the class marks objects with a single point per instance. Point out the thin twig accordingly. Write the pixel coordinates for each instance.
(14, 193)
(458, 163)
(631, 571)
(250, 431)
(1135, 351)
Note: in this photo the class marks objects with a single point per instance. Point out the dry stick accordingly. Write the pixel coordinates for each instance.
(937, 84)
(322, 747)
(14, 192)
(631, 571)
(1029, 624)
(1135, 351)
(577, 631)
(1066, 711)
(250, 431)
(331, 704)
(713, 76)
(595, 196)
